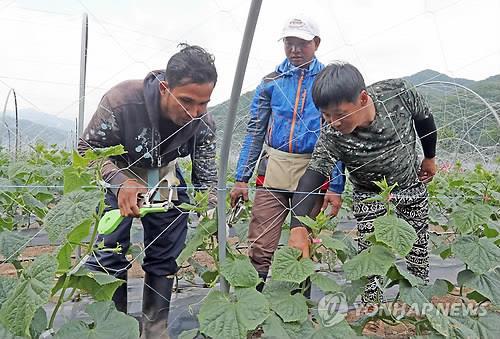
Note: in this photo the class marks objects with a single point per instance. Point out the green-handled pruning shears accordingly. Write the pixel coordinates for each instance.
(111, 219)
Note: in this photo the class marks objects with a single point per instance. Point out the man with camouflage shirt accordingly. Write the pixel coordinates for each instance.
(157, 120)
(372, 130)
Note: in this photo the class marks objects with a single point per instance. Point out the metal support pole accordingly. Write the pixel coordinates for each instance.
(4, 118)
(18, 137)
(246, 44)
(83, 74)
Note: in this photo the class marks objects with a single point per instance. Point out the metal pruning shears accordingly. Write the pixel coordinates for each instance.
(111, 219)
(235, 212)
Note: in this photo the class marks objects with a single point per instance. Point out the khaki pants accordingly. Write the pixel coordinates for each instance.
(270, 209)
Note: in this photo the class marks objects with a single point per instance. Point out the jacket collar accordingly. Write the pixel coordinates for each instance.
(287, 69)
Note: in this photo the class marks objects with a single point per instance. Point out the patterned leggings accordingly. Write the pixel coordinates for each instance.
(411, 205)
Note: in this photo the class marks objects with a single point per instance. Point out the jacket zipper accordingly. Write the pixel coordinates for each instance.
(297, 99)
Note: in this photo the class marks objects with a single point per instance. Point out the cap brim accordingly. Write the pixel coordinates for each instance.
(298, 34)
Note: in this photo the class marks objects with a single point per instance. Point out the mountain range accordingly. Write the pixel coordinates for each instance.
(50, 129)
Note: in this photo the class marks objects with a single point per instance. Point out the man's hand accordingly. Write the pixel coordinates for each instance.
(127, 198)
(299, 239)
(428, 170)
(333, 199)
(239, 189)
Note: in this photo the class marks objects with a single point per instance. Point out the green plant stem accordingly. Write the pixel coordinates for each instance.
(68, 275)
(417, 326)
(391, 323)
(59, 301)
(19, 268)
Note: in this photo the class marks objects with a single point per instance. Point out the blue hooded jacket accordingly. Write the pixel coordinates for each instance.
(283, 115)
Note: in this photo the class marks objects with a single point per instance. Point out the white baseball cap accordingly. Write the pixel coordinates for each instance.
(301, 27)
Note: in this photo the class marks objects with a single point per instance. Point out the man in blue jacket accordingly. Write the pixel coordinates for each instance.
(284, 117)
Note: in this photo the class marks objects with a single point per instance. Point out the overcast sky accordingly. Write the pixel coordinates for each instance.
(40, 41)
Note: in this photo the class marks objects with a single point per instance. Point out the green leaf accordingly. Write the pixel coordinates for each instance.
(6, 185)
(325, 283)
(103, 153)
(340, 330)
(203, 230)
(191, 247)
(273, 328)
(34, 205)
(396, 274)
(189, 334)
(467, 218)
(239, 271)
(241, 229)
(188, 207)
(11, 244)
(478, 297)
(487, 284)
(64, 257)
(332, 244)
(106, 323)
(376, 260)
(299, 330)
(39, 323)
(440, 288)
(7, 285)
(351, 248)
(31, 292)
(208, 276)
(413, 297)
(99, 285)
(6, 223)
(288, 266)
(72, 210)
(460, 330)
(491, 230)
(480, 254)
(446, 252)
(395, 232)
(227, 316)
(308, 221)
(6, 334)
(486, 326)
(272, 287)
(289, 307)
(79, 161)
(354, 289)
(75, 179)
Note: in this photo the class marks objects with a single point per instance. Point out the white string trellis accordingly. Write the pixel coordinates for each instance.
(455, 109)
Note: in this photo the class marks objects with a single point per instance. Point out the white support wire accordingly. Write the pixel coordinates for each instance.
(243, 117)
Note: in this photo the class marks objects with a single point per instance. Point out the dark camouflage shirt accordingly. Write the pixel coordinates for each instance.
(386, 148)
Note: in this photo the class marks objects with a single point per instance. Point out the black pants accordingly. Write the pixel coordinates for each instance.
(412, 205)
(164, 237)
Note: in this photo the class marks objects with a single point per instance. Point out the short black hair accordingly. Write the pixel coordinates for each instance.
(192, 64)
(337, 83)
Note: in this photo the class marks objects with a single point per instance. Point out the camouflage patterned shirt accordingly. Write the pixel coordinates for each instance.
(386, 148)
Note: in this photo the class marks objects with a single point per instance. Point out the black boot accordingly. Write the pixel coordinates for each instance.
(120, 295)
(155, 306)
(260, 286)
